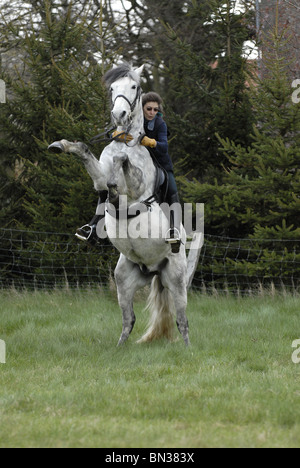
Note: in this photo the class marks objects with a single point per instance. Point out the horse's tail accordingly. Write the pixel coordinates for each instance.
(162, 313)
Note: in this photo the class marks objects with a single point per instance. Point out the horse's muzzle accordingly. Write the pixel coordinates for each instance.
(121, 117)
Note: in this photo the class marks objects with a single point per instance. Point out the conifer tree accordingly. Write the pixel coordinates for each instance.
(259, 194)
(207, 90)
(60, 95)
(55, 92)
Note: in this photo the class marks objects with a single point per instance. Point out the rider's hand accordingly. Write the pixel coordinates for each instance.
(122, 137)
(150, 142)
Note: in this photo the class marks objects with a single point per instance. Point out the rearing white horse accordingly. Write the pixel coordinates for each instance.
(127, 169)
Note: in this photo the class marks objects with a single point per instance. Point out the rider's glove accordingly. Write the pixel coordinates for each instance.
(150, 142)
(122, 137)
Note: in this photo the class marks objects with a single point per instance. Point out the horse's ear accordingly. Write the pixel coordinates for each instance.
(140, 70)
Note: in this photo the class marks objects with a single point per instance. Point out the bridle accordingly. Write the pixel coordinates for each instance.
(116, 213)
(133, 104)
(106, 133)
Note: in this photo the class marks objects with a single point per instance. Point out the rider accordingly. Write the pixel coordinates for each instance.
(156, 138)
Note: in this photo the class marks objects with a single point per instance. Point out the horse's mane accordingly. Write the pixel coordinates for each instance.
(122, 71)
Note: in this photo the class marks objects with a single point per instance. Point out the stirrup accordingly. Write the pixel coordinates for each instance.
(88, 232)
(173, 236)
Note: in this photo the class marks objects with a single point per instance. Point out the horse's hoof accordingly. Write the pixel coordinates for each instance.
(56, 147)
(121, 342)
(123, 339)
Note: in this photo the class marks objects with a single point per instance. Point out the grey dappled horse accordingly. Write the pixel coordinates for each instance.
(127, 169)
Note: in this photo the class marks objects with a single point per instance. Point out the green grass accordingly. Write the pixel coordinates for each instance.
(66, 384)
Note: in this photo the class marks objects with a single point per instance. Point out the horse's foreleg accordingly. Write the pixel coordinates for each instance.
(129, 279)
(94, 167)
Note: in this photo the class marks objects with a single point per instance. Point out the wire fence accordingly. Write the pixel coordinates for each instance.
(46, 260)
(243, 266)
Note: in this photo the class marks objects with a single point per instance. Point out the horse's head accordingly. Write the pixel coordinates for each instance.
(123, 84)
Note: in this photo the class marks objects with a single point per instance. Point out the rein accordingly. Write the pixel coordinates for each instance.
(121, 137)
(106, 134)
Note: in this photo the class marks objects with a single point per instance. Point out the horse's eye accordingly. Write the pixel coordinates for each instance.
(133, 87)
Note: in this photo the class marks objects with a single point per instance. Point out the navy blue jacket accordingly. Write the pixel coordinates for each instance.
(160, 134)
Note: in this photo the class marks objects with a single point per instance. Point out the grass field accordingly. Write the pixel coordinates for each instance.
(66, 384)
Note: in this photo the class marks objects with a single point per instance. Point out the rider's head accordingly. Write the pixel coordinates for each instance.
(152, 104)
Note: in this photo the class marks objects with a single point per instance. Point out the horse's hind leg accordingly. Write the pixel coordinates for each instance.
(174, 278)
(180, 300)
(129, 279)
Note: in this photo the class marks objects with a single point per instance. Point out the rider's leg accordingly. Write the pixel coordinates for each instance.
(173, 236)
(88, 232)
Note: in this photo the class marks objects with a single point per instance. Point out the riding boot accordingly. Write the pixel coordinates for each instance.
(173, 235)
(88, 232)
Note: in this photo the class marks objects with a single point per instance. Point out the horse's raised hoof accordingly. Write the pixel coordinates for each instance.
(56, 147)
